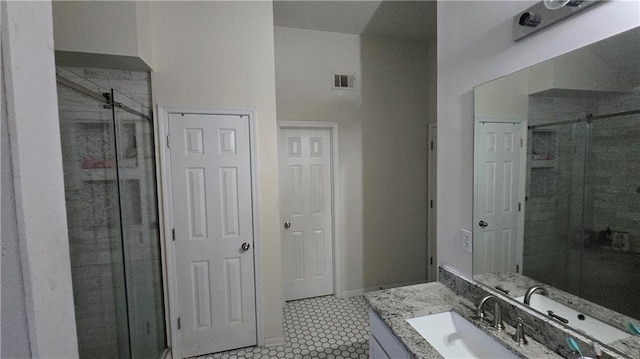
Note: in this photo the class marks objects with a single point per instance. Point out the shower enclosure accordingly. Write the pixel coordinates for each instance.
(582, 225)
(111, 200)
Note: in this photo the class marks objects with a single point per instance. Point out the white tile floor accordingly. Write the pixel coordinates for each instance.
(323, 327)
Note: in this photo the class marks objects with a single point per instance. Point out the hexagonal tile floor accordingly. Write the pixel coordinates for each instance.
(323, 327)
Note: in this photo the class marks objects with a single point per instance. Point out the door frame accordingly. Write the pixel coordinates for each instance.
(166, 217)
(523, 179)
(432, 205)
(335, 193)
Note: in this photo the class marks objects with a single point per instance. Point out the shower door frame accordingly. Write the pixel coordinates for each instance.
(107, 100)
(163, 166)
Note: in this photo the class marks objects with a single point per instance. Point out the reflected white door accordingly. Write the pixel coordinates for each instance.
(306, 210)
(498, 185)
(211, 190)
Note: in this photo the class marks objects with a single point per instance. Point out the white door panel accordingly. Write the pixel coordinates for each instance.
(305, 187)
(211, 188)
(498, 174)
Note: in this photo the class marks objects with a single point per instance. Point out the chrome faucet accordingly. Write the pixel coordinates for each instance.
(496, 323)
(530, 291)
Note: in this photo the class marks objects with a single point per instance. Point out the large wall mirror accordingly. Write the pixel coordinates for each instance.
(557, 182)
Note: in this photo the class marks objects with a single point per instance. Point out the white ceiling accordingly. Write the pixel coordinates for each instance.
(404, 19)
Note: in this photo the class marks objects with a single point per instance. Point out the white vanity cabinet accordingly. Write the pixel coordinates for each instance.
(382, 343)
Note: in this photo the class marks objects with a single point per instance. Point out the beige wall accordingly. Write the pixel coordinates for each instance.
(119, 28)
(104, 27)
(505, 98)
(143, 31)
(383, 136)
(221, 54)
(581, 70)
(475, 45)
(32, 171)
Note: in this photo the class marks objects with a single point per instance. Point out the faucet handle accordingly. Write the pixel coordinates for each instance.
(526, 325)
(519, 336)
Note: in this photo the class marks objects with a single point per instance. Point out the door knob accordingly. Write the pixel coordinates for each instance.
(287, 225)
(483, 224)
(245, 246)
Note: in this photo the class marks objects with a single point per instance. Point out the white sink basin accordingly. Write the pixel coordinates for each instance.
(454, 337)
(590, 326)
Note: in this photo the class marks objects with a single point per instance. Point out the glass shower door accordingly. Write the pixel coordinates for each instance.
(582, 227)
(554, 216)
(93, 213)
(141, 238)
(612, 214)
(112, 211)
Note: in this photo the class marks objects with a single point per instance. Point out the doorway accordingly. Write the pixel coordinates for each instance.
(209, 183)
(499, 194)
(310, 247)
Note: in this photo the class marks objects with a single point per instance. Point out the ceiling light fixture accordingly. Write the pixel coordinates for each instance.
(557, 4)
(547, 13)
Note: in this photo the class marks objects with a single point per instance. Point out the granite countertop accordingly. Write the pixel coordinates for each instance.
(517, 284)
(396, 305)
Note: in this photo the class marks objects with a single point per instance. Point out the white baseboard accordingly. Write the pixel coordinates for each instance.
(361, 291)
(357, 292)
(273, 342)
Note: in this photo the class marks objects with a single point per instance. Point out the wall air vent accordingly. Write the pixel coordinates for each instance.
(344, 81)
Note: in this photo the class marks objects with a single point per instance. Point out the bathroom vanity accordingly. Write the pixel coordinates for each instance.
(392, 336)
(393, 333)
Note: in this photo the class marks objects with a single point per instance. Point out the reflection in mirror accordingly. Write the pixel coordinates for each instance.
(557, 177)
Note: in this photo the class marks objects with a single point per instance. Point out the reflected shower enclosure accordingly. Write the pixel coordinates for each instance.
(582, 219)
(111, 200)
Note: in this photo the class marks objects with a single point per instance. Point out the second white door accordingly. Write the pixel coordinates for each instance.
(212, 208)
(497, 237)
(306, 212)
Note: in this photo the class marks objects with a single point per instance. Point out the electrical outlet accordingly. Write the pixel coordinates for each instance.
(466, 240)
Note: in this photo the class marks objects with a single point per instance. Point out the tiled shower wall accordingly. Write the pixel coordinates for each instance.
(614, 199)
(616, 168)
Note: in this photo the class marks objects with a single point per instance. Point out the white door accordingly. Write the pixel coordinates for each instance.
(306, 210)
(498, 184)
(212, 207)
